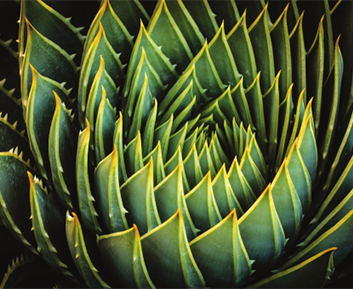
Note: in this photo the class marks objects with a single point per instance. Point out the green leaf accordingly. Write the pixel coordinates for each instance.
(41, 99)
(221, 255)
(223, 59)
(130, 13)
(155, 56)
(148, 134)
(62, 152)
(138, 198)
(340, 235)
(206, 72)
(315, 73)
(179, 268)
(48, 224)
(331, 109)
(227, 12)
(203, 16)
(51, 25)
(158, 165)
(124, 259)
(259, 33)
(282, 53)
(143, 107)
(202, 205)
(192, 168)
(104, 129)
(107, 190)
(224, 196)
(79, 253)
(143, 70)
(14, 186)
(271, 102)
(256, 105)
(133, 155)
(162, 133)
(267, 245)
(242, 49)
(90, 65)
(298, 53)
(118, 142)
(43, 55)
(11, 138)
(101, 79)
(85, 198)
(312, 273)
(287, 202)
(240, 186)
(186, 24)
(169, 196)
(165, 33)
(112, 26)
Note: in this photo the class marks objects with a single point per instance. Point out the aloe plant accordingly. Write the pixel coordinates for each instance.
(177, 144)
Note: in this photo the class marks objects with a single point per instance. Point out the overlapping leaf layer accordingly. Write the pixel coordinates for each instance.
(202, 145)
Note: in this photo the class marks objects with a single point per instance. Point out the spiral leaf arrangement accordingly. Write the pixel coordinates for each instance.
(195, 144)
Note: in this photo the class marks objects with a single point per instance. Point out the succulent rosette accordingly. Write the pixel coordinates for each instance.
(178, 144)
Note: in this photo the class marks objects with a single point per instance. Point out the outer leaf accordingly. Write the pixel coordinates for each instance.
(14, 186)
(261, 40)
(339, 234)
(312, 272)
(48, 225)
(202, 205)
(79, 253)
(84, 193)
(109, 201)
(165, 32)
(221, 255)
(243, 53)
(124, 258)
(263, 219)
(169, 196)
(179, 268)
(139, 199)
(62, 146)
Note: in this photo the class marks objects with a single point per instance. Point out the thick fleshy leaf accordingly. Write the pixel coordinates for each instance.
(80, 255)
(282, 54)
(155, 56)
(287, 201)
(259, 33)
(41, 99)
(263, 219)
(179, 269)
(312, 273)
(15, 215)
(202, 205)
(186, 24)
(62, 152)
(223, 59)
(83, 184)
(48, 224)
(221, 255)
(52, 25)
(112, 26)
(109, 202)
(223, 193)
(104, 129)
(90, 65)
(138, 198)
(165, 33)
(124, 258)
(43, 55)
(340, 235)
(243, 53)
(169, 196)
